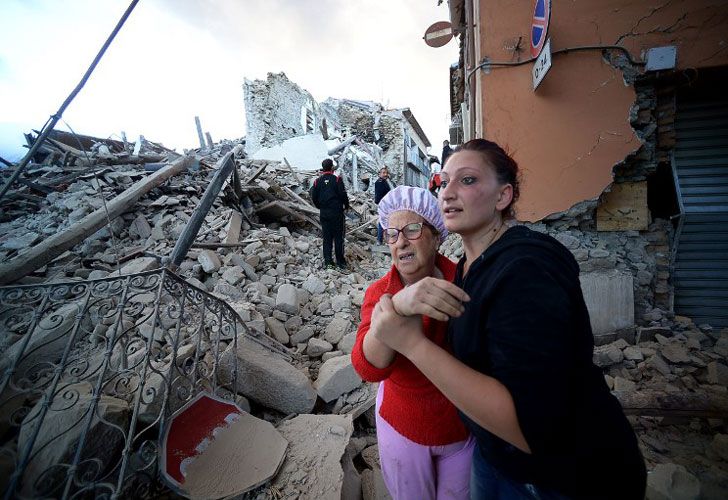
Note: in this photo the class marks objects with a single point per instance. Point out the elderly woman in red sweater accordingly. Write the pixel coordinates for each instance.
(424, 449)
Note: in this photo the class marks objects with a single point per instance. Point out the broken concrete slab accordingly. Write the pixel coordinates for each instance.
(209, 260)
(312, 469)
(609, 297)
(266, 378)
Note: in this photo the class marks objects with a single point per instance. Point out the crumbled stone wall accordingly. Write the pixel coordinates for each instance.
(357, 121)
(273, 111)
(392, 142)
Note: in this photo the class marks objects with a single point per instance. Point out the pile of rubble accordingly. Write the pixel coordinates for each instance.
(257, 251)
(273, 334)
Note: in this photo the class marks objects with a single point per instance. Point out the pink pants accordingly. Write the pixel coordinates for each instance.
(414, 471)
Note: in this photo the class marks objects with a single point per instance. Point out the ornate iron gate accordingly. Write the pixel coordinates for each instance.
(90, 372)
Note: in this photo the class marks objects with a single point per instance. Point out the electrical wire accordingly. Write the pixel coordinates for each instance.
(565, 50)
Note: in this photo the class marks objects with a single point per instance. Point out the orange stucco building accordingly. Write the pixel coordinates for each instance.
(627, 131)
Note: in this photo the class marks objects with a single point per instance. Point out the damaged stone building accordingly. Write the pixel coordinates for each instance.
(277, 110)
(623, 145)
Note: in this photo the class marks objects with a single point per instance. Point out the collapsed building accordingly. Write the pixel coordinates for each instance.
(364, 135)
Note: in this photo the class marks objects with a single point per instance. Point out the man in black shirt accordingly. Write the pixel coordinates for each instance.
(329, 196)
(446, 151)
(381, 187)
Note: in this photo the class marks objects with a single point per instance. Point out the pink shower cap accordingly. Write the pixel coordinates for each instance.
(414, 199)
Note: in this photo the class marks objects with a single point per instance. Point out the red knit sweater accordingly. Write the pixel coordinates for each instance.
(411, 404)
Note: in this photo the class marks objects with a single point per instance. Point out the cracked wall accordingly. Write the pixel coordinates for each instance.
(570, 134)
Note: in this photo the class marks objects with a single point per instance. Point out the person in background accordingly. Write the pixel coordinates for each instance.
(328, 194)
(520, 369)
(446, 151)
(381, 187)
(424, 448)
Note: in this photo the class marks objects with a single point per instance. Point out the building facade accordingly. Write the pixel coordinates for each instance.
(624, 144)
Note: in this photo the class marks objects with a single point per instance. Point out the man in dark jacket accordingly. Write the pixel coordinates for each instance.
(381, 187)
(446, 151)
(329, 196)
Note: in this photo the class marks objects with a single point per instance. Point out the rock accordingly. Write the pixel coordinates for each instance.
(346, 344)
(336, 377)
(226, 290)
(266, 378)
(140, 228)
(717, 373)
(316, 347)
(372, 485)
(287, 299)
(567, 240)
(607, 355)
(633, 353)
(340, 302)
(233, 275)
(721, 347)
(62, 428)
(672, 482)
(24, 240)
(675, 353)
(314, 285)
(277, 330)
(370, 455)
(197, 283)
(302, 335)
(331, 354)
(139, 265)
(622, 384)
(336, 329)
(719, 446)
(659, 364)
(209, 260)
(268, 280)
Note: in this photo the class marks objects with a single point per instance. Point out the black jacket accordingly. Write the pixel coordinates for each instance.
(446, 151)
(329, 194)
(381, 187)
(527, 326)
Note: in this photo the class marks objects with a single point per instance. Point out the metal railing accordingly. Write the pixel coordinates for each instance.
(91, 371)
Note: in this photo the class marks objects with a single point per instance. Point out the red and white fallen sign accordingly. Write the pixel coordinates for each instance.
(213, 449)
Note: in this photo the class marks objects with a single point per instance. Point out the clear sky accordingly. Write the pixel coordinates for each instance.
(175, 59)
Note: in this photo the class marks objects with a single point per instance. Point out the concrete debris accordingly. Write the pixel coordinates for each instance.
(312, 468)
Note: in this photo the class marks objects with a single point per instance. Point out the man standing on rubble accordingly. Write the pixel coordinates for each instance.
(381, 187)
(329, 196)
(446, 151)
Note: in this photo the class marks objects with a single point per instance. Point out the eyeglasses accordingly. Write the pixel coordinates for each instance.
(410, 231)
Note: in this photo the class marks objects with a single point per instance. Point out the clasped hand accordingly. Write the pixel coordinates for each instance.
(399, 333)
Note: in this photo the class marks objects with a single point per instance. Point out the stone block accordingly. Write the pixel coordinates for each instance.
(209, 260)
(287, 299)
(336, 377)
(609, 297)
(267, 378)
(336, 330)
